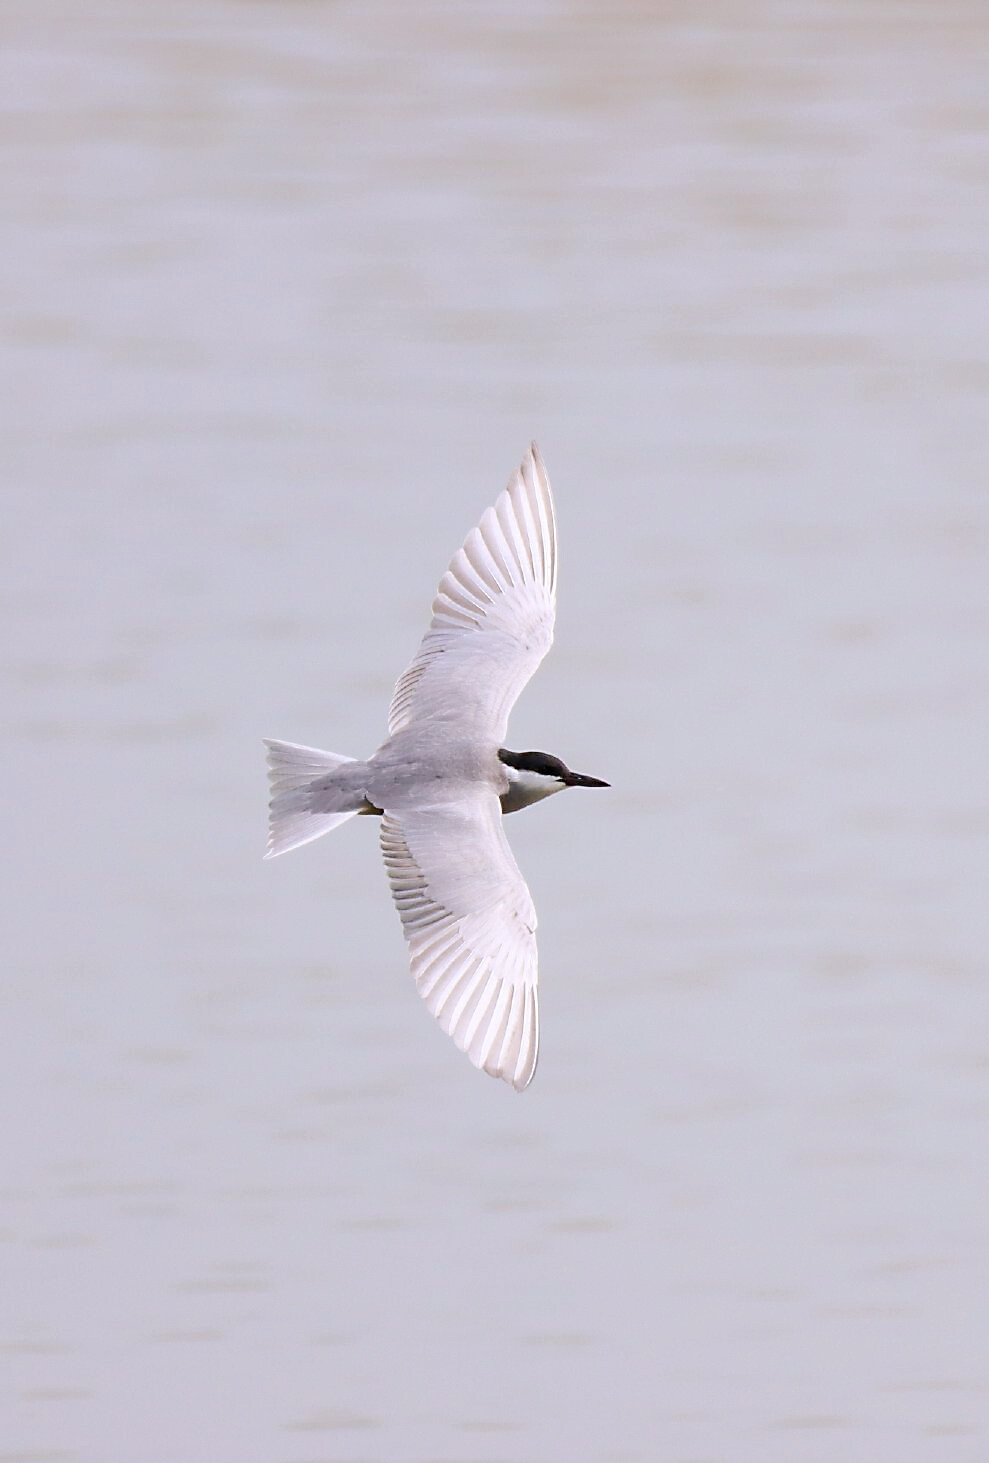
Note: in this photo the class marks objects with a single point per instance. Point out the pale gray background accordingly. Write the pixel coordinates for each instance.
(285, 289)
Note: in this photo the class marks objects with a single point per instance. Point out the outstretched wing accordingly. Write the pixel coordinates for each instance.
(471, 927)
(492, 616)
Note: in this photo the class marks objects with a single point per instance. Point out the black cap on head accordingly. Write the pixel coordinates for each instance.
(546, 765)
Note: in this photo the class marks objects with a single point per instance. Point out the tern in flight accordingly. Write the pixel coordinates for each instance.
(443, 779)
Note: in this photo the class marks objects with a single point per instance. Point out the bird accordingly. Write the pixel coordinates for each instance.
(443, 779)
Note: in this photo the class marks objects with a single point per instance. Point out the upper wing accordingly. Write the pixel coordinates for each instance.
(471, 928)
(492, 616)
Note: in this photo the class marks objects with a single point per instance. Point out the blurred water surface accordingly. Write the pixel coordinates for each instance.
(285, 289)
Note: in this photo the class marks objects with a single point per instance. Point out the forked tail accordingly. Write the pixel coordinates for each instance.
(306, 800)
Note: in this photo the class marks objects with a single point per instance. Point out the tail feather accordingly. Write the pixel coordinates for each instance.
(291, 772)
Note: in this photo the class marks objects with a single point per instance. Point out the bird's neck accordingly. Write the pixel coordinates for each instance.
(526, 787)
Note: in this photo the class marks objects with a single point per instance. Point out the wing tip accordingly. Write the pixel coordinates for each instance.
(533, 479)
(517, 1056)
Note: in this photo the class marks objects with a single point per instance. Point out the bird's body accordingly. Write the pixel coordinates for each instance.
(443, 779)
(424, 761)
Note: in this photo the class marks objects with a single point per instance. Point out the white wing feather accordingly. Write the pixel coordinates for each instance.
(471, 927)
(493, 615)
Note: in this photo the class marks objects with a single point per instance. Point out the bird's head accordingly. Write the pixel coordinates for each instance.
(535, 775)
